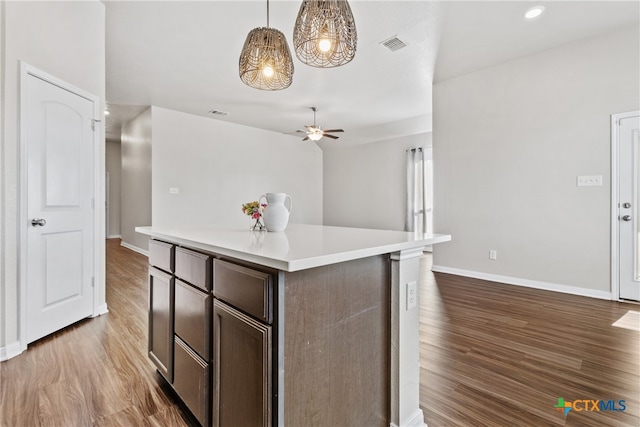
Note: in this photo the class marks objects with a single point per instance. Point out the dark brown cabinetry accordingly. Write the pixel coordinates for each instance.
(210, 334)
(242, 349)
(161, 298)
(193, 318)
(242, 369)
(193, 332)
(245, 288)
(192, 381)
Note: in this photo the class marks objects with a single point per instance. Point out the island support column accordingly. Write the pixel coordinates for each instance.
(405, 340)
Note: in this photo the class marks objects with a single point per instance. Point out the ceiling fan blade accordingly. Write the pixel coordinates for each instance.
(333, 130)
(305, 138)
(301, 131)
(330, 136)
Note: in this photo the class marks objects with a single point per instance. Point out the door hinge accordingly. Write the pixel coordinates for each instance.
(93, 123)
(93, 282)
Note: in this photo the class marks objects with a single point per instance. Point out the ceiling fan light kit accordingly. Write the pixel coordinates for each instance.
(265, 61)
(315, 132)
(325, 33)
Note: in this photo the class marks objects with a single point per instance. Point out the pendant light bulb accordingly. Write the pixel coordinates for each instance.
(324, 45)
(268, 71)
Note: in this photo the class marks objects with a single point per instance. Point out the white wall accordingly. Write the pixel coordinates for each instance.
(67, 40)
(365, 185)
(508, 144)
(135, 180)
(217, 166)
(113, 164)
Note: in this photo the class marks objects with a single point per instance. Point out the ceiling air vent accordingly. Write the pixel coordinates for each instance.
(393, 44)
(218, 113)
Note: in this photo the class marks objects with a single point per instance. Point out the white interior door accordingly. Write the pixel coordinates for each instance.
(628, 131)
(58, 133)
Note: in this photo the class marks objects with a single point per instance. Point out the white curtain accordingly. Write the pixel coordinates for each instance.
(419, 190)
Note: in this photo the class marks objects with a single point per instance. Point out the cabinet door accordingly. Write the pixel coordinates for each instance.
(242, 369)
(161, 293)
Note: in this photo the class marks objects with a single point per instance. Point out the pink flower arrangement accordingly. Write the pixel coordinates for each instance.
(254, 210)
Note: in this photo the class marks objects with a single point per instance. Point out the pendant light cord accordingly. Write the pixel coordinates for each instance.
(267, 13)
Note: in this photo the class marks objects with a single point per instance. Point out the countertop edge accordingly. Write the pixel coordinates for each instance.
(297, 264)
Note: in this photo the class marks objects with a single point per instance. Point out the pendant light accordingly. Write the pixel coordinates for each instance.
(325, 33)
(265, 60)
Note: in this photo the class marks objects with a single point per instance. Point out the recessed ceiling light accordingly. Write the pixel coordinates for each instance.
(534, 12)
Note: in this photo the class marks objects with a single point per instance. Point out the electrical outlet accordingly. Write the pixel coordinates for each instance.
(412, 295)
(174, 190)
(493, 254)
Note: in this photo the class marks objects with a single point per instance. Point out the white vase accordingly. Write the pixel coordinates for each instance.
(276, 214)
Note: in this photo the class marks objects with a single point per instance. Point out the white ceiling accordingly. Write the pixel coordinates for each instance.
(184, 56)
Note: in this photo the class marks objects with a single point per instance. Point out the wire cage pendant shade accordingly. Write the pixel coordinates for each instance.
(265, 61)
(325, 33)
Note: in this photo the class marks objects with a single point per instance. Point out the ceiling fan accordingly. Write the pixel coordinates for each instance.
(315, 132)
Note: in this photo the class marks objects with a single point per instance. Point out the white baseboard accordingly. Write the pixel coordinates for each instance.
(102, 309)
(135, 248)
(114, 236)
(415, 420)
(555, 287)
(12, 350)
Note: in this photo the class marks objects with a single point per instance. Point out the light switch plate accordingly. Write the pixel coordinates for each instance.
(590, 181)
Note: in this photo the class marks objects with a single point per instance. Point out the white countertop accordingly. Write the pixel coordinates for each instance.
(299, 247)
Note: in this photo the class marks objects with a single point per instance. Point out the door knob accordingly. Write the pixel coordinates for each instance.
(38, 222)
(626, 205)
(626, 218)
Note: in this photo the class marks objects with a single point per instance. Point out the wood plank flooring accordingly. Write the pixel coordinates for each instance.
(95, 372)
(500, 355)
(491, 355)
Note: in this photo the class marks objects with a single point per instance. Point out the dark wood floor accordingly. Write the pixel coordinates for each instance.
(491, 355)
(500, 355)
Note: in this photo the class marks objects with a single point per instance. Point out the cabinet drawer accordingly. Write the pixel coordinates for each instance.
(161, 255)
(247, 289)
(194, 267)
(193, 318)
(191, 381)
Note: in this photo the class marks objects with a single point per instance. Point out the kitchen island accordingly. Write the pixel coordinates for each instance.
(315, 325)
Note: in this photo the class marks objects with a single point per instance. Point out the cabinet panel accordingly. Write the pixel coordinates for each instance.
(162, 255)
(194, 267)
(161, 297)
(249, 290)
(193, 318)
(241, 369)
(192, 381)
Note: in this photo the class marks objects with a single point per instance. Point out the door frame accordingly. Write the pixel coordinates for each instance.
(99, 303)
(615, 224)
